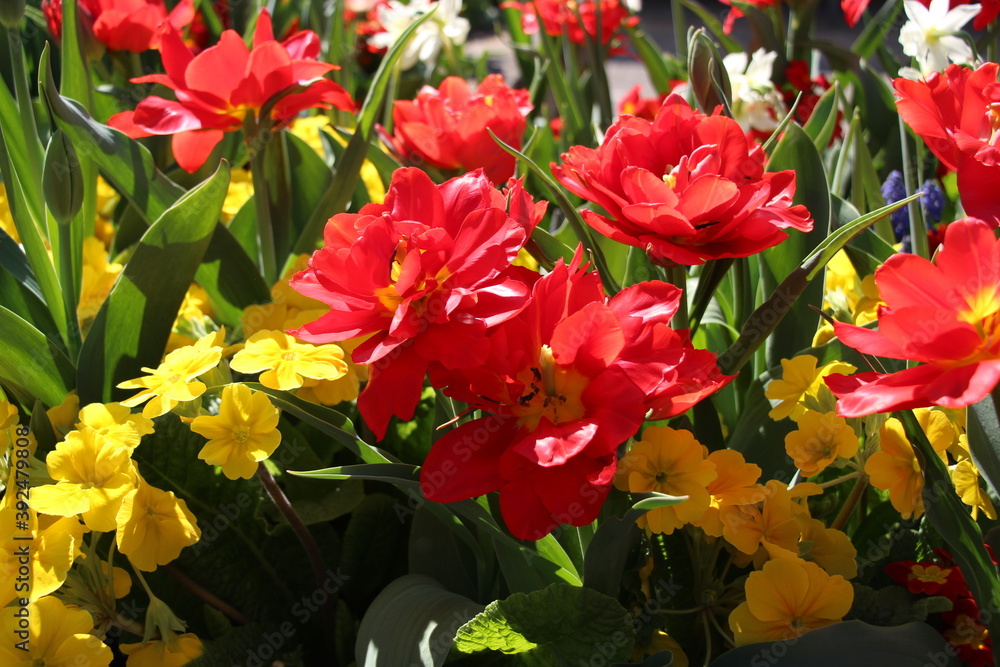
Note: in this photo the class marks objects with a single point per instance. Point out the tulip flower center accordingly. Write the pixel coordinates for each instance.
(550, 391)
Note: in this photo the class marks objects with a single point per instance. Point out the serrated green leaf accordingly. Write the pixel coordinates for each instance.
(559, 625)
(132, 328)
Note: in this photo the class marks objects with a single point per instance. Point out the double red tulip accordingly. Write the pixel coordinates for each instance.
(124, 25)
(216, 89)
(945, 315)
(577, 20)
(448, 126)
(423, 275)
(567, 380)
(685, 187)
(957, 114)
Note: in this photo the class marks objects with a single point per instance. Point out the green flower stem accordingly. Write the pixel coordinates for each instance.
(266, 257)
(70, 291)
(852, 500)
(918, 230)
(677, 276)
(680, 27)
(284, 506)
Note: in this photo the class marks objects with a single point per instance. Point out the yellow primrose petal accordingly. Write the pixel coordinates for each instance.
(153, 526)
(157, 653)
(115, 422)
(830, 549)
(244, 432)
(58, 636)
(63, 499)
(284, 361)
(895, 469)
(965, 476)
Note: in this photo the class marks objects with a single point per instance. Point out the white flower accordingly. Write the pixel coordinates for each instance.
(929, 34)
(444, 29)
(757, 104)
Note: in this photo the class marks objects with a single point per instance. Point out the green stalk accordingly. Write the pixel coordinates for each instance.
(680, 27)
(677, 275)
(918, 230)
(266, 258)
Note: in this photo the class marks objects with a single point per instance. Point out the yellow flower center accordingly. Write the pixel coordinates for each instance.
(173, 379)
(551, 391)
(240, 436)
(289, 356)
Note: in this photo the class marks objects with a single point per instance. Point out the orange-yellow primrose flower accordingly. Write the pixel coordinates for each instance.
(895, 469)
(153, 526)
(819, 441)
(735, 484)
(773, 522)
(287, 361)
(672, 462)
(800, 380)
(244, 432)
(787, 598)
(58, 636)
(173, 380)
(158, 653)
(92, 474)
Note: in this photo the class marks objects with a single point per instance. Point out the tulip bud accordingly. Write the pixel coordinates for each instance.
(62, 179)
(708, 76)
(11, 13)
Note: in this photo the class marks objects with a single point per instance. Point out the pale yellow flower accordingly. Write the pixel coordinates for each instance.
(801, 385)
(286, 362)
(154, 526)
(115, 422)
(244, 432)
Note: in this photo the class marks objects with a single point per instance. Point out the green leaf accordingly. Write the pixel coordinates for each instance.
(329, 421)
(441, 547)
(608, 551)
(132, 328)
(230, 277)
(824, 118)
(714, 24)
(412, 622)
(372, 542)
(19, 291)
(877, 30)
(31, 364)
(850, 643)
(559, 625)
(403, 475)
(336, 196)
(766, 318)
(984, 439)
(651, 56)
(126, 163)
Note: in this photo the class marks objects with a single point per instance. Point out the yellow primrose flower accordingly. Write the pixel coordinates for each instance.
(6, 217)
(661, 641)
(819, 440)
(173, 380)
(49, 552)
(58, 636)
(774, 521)
(178, 651)
(115, 422)
(99, 276)
(735, 484)
(346, 388)
(672, 462)
(286, 361)
(829, 548)
(895, 469)
(787, 598)
(800, 380)
(239, 193)
(92, 475)
(153, 526)
(196, 304)
(965, 477)
(64, 416)
(244, 432)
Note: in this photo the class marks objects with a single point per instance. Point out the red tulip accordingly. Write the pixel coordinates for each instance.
(577, 20)
(124, 25)
(956, 114)
(945, 315)
(448, 126)
(685, 187)
(424, 275)
(853, 9)
(567, 380)
(216, 89)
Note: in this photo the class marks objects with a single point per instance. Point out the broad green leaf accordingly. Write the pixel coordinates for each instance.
(652, 58)
(412, 622)
(17, 145)
(31, 364)
(877, 30)
(558, 625)
(230, 277)
(824, 118)
(403, 475)
(851, 643)
(19, 291)
(441, 547)
(549, 548)
(132, 328)
(370, 557)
